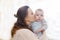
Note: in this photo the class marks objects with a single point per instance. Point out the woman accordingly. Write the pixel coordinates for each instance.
(21, 30)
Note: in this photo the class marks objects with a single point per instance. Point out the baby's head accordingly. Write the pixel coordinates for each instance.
(39, 14)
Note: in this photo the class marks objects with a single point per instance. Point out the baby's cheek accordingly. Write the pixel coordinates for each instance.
(42, 18)
(37, 18)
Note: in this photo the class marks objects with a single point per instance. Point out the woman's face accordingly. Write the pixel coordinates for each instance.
(30, 16)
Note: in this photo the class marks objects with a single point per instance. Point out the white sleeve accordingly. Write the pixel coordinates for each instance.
(25, 34)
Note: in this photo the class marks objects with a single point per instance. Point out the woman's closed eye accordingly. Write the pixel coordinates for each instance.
(31, 13)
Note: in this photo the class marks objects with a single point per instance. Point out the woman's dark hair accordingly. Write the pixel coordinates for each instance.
(21, 14)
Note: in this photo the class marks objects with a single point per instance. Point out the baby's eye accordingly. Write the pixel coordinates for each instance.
(37, 15)
(41, 15)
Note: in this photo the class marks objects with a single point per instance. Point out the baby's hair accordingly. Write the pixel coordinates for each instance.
(39, 10)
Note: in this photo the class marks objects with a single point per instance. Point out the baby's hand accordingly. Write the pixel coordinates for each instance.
(42, 30)
(38, 31)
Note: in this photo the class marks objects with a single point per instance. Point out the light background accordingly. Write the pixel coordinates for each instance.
(51, 12)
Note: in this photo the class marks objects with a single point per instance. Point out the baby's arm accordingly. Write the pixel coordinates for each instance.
(44, 27)
(40, 30)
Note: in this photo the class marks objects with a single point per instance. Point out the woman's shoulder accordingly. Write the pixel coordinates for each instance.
(25, 34)
(23, 30)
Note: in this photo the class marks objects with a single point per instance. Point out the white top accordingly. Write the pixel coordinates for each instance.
(25, 34)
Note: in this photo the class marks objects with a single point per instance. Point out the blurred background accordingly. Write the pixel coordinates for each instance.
(51, 10)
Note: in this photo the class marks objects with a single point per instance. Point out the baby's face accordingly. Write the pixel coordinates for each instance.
(39, 15)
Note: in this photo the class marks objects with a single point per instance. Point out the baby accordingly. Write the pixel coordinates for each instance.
(39, 25)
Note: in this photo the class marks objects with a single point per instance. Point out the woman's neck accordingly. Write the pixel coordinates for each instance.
(28, 22)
